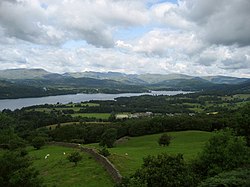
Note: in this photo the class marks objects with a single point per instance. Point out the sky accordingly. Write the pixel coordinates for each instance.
(193, 37)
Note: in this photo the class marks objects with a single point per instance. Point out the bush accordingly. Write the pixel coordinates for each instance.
(162, 170)
(38, 142)
(104, 151)
(164, 140)
(223, 152)
(240, 177)
(108, 138)
(75, 157)
(16, 170)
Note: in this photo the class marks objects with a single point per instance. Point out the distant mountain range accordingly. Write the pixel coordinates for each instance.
(15, 74)
(38, 82)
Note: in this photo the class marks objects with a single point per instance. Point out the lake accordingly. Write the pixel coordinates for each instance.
(13, 104)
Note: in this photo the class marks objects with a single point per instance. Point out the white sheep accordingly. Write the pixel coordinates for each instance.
(47, 156)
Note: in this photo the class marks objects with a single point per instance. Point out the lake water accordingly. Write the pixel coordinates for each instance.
(13, 104)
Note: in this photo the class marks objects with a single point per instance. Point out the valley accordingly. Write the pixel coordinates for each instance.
(126, 129)
(23, 83)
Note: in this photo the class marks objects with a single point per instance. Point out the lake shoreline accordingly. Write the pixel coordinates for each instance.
(19, 103)
(70, 93)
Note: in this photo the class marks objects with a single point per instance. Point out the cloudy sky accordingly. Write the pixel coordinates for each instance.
(194, 37)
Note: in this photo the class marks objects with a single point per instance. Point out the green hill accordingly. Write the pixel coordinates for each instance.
(23, 73)
(56, 170)
(128, 155)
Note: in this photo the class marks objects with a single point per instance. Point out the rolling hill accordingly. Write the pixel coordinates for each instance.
(15, 83)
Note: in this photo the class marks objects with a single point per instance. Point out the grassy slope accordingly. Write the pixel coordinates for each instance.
(58, 171)
(188, 143)
(94, 115)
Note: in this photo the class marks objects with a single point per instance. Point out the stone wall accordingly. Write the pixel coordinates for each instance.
(109, 167)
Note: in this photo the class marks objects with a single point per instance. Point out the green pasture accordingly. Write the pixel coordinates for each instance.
(71, 106)
(128, 155)
(56, 170)
(92, 115)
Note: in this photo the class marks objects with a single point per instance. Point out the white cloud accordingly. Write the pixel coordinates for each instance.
(93, 21)
(192, 37)
(171, 15)
(165, 42)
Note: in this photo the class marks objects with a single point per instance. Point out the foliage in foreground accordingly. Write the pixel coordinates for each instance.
(16, 170)
(240, 177)
(223, 154)
(10, 140)
(162, 170)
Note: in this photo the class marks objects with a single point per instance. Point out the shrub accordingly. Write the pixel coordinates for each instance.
(75, 157)
(38, 142)
(104, 151)
(16, 170)
(164, 140)
(223, 152)
(163, 170)
(240, 177)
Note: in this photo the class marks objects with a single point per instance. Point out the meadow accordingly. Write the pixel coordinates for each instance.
(75, 108)
(128, 154)
(56, 170)
(92, 115)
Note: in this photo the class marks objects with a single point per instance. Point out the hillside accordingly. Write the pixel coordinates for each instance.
(137, 79)
(58, 86)
(128, 155)
(23, 73)
(224, 79)
(58, 171)
(16, 83)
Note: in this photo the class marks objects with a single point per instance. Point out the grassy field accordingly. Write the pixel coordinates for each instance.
(188, 143)
(229, 102)
(58, 171)
(93, 115)
(74, 106)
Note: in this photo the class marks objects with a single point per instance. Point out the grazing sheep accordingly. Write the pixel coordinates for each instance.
(47, 156)
(64, 153)
(126, 154)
